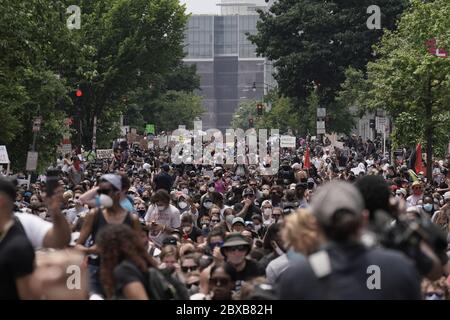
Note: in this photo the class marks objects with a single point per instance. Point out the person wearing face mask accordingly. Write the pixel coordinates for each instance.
(266, 208)
(428, 205)
(436, 290)
(108, 211)
(258, 225)
(400, 193)
(276, 193)
(189, 230)
(162, 217)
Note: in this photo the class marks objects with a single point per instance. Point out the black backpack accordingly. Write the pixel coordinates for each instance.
(163, 286)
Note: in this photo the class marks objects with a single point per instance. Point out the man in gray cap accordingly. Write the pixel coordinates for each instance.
(344, 268)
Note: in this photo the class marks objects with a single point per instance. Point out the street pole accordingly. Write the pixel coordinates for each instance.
(94, 134)
(429, 129)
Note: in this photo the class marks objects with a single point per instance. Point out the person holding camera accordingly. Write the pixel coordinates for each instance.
(344, 268)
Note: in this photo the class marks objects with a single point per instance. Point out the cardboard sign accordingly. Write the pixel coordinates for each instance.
(144, 144)
(104, 153)
(150, 128)
(32, 159)
(4, 159)
(287, 142)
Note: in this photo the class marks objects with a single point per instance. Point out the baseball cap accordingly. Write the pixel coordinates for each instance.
(334, 196)
(401, 191)
(114, 179)
(132, 189)
(238, 220)
(447, 196)
(248, 191)
(292, 186)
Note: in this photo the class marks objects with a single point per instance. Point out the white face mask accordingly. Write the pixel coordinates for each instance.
(211, 189)
(182, 205)
(161, 208)
(207, 204)
(257, 227)
(43, 215)
(105, 201)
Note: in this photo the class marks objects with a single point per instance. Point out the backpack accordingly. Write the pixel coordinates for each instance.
(163, 286)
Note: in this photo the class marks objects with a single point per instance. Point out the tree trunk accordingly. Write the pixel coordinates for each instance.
(429, 130)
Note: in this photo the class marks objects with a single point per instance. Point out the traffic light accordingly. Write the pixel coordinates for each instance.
(79, 93)
(250, 123)
(372, 123)
(259, 108)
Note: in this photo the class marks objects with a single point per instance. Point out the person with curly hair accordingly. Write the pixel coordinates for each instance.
(436, 290)
(125, 263)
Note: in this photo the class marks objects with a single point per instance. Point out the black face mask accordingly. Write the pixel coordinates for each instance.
(141, 213)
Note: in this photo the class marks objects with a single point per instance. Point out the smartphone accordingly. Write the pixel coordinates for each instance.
(52, 181)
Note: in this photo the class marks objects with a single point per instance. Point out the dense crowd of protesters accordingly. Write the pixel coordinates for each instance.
(140, 227)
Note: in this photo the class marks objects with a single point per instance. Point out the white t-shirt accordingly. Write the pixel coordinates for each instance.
(169, 217)
(35, 228)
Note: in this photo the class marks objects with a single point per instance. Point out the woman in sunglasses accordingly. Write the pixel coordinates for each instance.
(108, 211)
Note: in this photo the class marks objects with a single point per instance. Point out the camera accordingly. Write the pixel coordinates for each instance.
(406, 235)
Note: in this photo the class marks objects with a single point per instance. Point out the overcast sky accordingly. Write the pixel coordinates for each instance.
(202, 6)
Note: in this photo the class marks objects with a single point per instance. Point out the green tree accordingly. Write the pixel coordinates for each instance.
(409, 82)
(313, 42)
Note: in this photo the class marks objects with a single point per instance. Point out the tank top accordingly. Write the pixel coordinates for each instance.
(99, 223)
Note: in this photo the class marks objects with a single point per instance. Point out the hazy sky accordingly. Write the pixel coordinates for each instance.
(202, 6)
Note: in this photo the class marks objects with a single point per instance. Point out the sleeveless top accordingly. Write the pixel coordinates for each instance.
(99, 223)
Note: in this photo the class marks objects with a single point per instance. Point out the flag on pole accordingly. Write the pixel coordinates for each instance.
(415, 160)
(307, 160)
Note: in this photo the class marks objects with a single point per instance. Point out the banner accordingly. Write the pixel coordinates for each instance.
(104, 153)
(4, 159)
(287, 142)
(32, 159)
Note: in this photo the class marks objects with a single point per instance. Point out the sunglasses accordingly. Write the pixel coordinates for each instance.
(237, 248)
(219, 282)
(189, 268)
(104, 191)
(438, 294)
(215, 221)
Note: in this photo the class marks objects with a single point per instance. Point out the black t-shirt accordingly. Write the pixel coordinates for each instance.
(252, 270)
(163, 181)
(195, 233)
(16, 261)
(125, 273)
(353, 269)
(250, 211)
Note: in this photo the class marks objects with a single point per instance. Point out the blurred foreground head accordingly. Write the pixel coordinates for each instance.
(339, 209)
(60, 275)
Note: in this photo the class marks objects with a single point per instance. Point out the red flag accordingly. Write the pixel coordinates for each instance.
(307, 161)
(418, 166)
